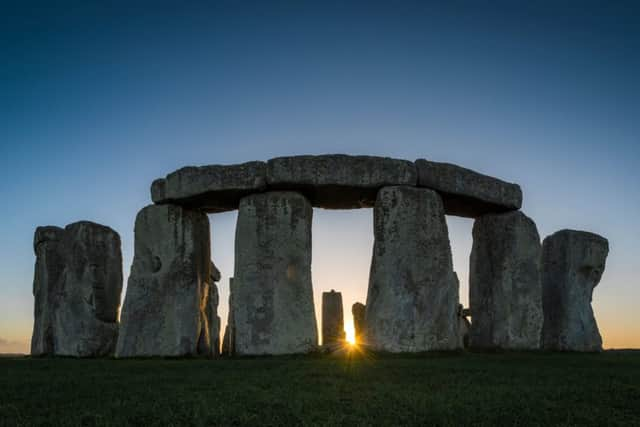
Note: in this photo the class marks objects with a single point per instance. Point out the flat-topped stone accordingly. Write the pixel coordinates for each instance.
(468, 193)
(213, 188)
(338, 181)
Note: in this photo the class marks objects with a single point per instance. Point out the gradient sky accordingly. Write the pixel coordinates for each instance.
(99, 98)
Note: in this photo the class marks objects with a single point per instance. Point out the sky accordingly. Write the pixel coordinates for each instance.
(97, 99)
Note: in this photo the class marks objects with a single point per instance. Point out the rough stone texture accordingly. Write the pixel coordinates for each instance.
(333, 334)
(412, 302)
(211, 311)
(214, 188)
(338, 181)
(77, 287)
(272, 293)
(359, 326)
(505, 291)
(164, 311)
(572, 266)
(468, 193)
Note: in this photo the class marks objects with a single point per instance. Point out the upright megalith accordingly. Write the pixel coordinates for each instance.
(211, 311)
(228, 341)
(412, 302)
(333, 335)
(505, 292)
(164, 311)
(272, 303)
(77, 287)
(572, 266)
(358, 312)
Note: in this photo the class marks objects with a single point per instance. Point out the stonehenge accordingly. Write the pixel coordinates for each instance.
(523, 295)
(572, 266)
(505, 291)
(333, 335)
(358, 312)
(273, 310)
(412, 301)
(164, 311)
(77, 286)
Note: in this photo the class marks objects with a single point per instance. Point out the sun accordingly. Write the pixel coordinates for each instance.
(350, 333)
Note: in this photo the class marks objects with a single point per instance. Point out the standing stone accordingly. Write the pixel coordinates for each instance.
(505, 292)
(359, 326)
(212, 311)
(77, 287)
(272, 293)
(333, 335)
(412, 302)
(227, 340)
(164, 311)
(572, 266)
(464, 327)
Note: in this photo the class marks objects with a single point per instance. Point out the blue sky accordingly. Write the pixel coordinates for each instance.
(100, 98)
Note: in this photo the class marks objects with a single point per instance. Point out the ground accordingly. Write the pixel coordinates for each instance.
(435, 389)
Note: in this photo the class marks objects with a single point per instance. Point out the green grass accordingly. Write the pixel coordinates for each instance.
(450, 389)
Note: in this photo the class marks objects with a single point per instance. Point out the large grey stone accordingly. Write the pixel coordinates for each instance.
(505, 292)
(333, 334)
(359, 326)
(164, 311)
(272, 293)
(412, 302)
(214, 188)
(77, 287)
(338, 181)
(572, 265)
(468, 193)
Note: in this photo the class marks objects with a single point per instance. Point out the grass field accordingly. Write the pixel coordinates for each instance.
(445, 389)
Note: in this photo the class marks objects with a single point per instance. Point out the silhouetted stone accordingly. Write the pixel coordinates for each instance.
(211, 311)
(468, 193)
(572, 266)
(214, 188)
(359, 325)
(272, 293)
(333, 335)
(228, 341)
(505, 292)
(338, 181)
(164, 311)
(77, 287)
(464, 326)
(412, 302)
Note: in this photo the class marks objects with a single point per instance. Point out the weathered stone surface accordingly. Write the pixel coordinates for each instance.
(572, 265)
(338, 181)
(412, 302)
(358, 311)
(468, 193)
(333, 334)
(505, 291)
(77, 287)
(272, 293)
(214, 188)
(164, 311)
(211, 311)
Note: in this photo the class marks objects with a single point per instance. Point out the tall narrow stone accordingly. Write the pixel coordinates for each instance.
(77, 286)
(572, 266)
(211, 311)
(412, 302)
(228, 341)
(164, 311)
(333, 335)
(359, 326)
(272, 293)
(505, 292)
